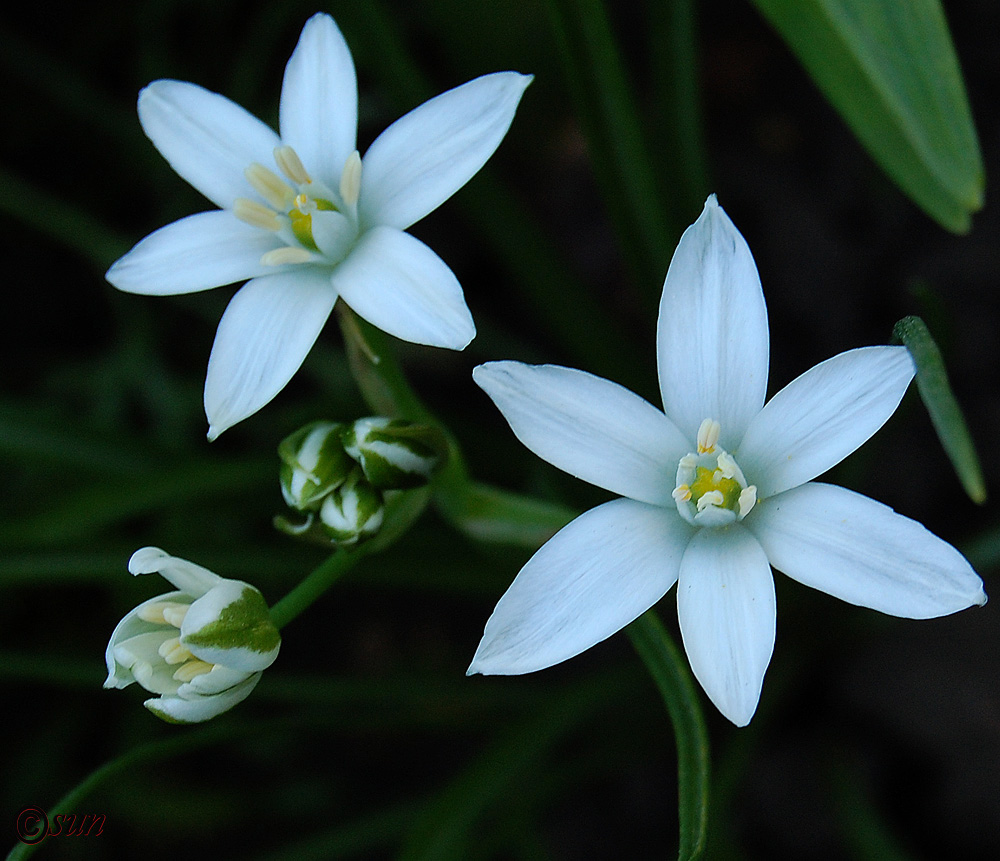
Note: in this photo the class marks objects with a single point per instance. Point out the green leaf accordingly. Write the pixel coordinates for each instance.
(890, 69)
(945, 413)
(669, 670)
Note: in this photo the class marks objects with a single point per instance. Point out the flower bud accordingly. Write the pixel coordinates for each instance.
(313, 463)
(395, 454)
(353, 512)
(202, 649)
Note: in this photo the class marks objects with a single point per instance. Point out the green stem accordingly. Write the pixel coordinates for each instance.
(668, 667)
(316, 583)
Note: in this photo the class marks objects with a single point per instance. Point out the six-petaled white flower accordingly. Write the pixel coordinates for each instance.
(717, 488)
(306, 219)
(202, 649)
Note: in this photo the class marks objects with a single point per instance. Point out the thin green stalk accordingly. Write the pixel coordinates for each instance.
(316, 583)
(669, 670)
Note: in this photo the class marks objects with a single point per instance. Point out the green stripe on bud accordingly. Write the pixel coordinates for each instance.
(353, 512)
(395, 454)
(313, 464)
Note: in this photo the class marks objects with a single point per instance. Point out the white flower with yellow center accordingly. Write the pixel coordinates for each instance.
(718, 488)
(306, 219)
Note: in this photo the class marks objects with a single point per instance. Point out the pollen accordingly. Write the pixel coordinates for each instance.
(269, 185)
(256, 214)
(350, 180)
(708, 436)
(291, 165)
(192, 669)
(286, 256)
(173, 652)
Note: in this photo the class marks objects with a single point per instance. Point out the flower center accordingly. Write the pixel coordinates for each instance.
(711, 488)
(171, 650)
(290, 203)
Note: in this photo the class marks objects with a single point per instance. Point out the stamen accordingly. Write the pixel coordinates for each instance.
(173, 652)
(727, 466)
(255, 214)
(286, 255)
(269, 185)
(713, 497)
(708, 436)
(164, 613)
(682, 493)
(291, 165)
(747, 500)
(350, 179)
(191, 669)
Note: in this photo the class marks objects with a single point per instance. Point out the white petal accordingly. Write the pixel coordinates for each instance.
(819, 418)
(120, 676)
(399, 285)
(589, 427)
(862, 552)
(196, 253)
(319, 100)
(423, 158)
(588, 581)
(262, 340)
(201, 708)
(189, 578)
(223, 626)
(205, 137)
(711, 335)
(726, 608)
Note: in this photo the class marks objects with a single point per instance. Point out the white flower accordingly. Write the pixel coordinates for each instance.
(202, 649)
(306, 219)
(718, 487)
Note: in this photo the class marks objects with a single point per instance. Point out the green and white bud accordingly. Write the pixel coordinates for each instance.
(353, 512)
(202, 649)
(395, 454)
(313, 464)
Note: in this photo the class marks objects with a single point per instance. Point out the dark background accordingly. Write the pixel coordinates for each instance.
(873, 735)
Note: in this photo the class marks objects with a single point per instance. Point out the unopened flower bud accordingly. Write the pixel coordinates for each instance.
(202, 649)
(395, 454)
(353, 512)
(313, 463)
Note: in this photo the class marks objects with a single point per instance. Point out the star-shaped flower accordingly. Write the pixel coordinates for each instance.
(306, 219)
(717, 488)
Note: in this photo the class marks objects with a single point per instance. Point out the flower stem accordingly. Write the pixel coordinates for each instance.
(669, 670)
(316, 583)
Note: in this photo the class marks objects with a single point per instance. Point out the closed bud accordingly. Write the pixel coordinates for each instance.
(202, 648)
(395, 454)
(353, 512)
(313, 464)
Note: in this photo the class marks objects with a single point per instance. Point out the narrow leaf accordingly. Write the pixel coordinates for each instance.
(890, 69)
(945, 413)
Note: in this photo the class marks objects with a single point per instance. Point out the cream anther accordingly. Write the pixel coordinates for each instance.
(269, 185)
(350, 179)
(191, 669)
(282, 256)
(291, 165)
(173, 652)
(708, 436)
(747, 500)
(727, 466)
(682, 493)
(713, 497)
(164, 613)
(255, 214)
